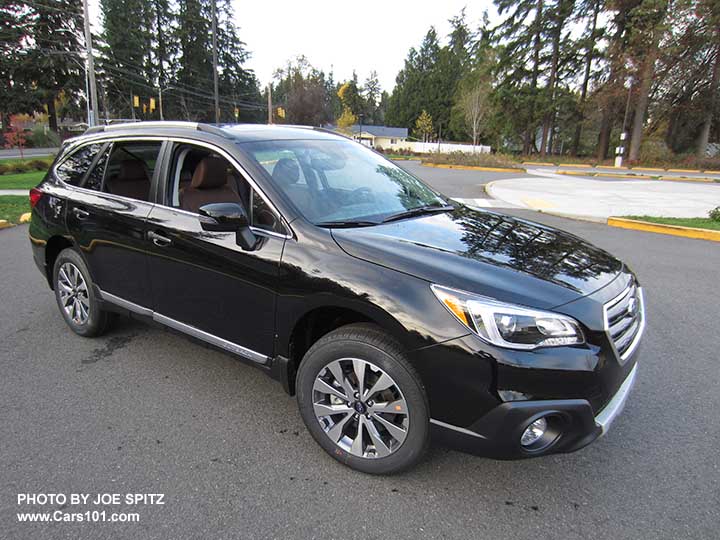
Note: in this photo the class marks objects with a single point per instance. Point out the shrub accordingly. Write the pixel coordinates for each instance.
(19, 167)
(3, 168)
(479, 160)
(39, 164)
(40, 139)
(714, 214)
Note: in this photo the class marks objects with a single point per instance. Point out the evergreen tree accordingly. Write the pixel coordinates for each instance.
(522, 36)
(17, 94)
(414, 84)
(194, 77)
(54, 61)
(126, 59)
(372, 93)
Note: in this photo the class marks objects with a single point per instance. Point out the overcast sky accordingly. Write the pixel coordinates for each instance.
(366, 35)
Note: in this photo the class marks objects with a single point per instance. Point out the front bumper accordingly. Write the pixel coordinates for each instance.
(571, 422)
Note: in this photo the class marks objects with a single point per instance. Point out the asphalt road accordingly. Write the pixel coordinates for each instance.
(143, 410)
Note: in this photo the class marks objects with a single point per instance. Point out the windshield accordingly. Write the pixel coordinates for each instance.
(339, 181)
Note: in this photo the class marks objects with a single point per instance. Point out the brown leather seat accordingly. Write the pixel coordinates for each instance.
(286, 174)
(208, 185)
(132, 181)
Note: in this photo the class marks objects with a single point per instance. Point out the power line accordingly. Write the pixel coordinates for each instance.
(139, 81)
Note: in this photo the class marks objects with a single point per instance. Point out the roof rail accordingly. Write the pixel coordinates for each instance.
(207, 128)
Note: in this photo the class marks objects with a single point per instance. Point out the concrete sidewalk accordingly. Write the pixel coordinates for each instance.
(599, 199)
(14, 192)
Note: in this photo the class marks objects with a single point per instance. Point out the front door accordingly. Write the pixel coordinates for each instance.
(203, 283)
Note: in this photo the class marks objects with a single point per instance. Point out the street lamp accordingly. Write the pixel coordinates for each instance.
(160, 93)
(620, 150)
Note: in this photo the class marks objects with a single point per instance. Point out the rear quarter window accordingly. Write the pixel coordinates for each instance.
(72, 169)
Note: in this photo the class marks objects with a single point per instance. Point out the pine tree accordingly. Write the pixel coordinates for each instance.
(590, 9)
(54, 61)
(521, 36)
(16, 91)
(372, 93)
(126, 60)
(414, 90)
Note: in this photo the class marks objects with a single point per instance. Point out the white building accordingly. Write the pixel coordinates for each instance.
(380, 136)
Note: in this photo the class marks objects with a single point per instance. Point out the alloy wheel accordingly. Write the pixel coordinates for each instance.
(360, 408)
(73, 293)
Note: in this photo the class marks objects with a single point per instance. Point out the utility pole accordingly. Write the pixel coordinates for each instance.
(162, 118)
(92, 98)
(214, 58)
(270, 111)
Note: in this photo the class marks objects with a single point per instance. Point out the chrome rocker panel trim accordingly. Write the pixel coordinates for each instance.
(185, 328)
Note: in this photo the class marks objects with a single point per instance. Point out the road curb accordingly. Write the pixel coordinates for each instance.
(4, 224)
(687, 179)
(674, 230)
(471, 167)
(25, 218)
(639, 176)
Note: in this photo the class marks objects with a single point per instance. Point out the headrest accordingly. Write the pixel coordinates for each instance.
(210, 173)
(132, 169)
(286, 171)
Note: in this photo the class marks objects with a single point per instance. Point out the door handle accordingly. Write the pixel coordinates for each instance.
(158, 239)
(81, 214)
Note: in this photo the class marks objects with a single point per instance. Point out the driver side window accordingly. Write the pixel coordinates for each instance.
(200, 176)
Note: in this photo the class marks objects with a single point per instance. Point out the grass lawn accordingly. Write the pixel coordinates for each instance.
(13, 206)
(697, 223)
(21, 181)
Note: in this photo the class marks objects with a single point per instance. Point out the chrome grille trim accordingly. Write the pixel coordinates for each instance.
(622, 328)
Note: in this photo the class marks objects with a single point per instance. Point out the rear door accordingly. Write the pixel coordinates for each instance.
(203, 283)
(107, 218)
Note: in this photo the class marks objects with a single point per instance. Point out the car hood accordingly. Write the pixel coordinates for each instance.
(491, 254)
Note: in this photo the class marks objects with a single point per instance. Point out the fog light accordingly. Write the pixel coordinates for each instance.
(534, 432)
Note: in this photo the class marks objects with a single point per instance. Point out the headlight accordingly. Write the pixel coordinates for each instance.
(508, 325)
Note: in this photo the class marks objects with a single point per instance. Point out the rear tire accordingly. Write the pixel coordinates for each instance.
(75, 295)
(362, 401)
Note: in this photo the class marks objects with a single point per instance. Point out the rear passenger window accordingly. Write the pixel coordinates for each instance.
(130, 169)
(95, 177)
(72, 170)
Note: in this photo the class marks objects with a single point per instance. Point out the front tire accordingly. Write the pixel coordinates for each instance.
(362, 401)
(75, 295)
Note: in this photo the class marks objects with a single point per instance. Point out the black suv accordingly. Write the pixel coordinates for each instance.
(390, 310)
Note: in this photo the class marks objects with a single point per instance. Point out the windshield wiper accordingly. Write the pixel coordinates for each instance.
(347, 223)
(420, 210)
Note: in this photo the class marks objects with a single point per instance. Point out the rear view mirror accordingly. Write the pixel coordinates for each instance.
(228, 217)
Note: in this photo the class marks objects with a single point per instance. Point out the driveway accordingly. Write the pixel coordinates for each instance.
(144, 410)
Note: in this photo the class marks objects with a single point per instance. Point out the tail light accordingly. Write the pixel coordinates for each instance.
(35, 195)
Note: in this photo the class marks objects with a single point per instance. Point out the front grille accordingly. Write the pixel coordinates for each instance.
(625, 320)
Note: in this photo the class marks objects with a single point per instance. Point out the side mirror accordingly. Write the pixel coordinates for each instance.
(228, 217)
